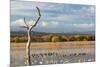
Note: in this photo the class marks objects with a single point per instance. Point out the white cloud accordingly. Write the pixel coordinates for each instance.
(92, 9)
(91, 25)
(28, 9)
(20, 22)
(44, 24)
(51, 24)
(55, 23)
(22, 7)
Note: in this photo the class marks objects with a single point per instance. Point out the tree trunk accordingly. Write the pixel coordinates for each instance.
(28, 57)
(29, 28)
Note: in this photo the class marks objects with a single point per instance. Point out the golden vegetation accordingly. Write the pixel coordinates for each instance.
(53, 38)
(54, 44)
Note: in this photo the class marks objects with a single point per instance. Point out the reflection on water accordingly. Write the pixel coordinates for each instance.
(59, 55)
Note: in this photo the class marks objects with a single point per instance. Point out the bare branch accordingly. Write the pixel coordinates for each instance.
(26, 23)
(37, 19)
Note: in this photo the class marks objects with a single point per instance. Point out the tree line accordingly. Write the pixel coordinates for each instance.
(54, 38)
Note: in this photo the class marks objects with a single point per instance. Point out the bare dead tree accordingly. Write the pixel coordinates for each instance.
(29, 29)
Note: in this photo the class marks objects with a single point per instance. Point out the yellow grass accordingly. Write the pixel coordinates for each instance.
(53, 44)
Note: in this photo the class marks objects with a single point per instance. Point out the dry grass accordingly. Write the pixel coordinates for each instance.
(53, 44)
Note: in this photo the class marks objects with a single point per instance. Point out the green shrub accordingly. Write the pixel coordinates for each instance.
(91, 38)
(56, 39)
(78, 38)
(82, 38)
(16, 40)
(49, 38)
(72, 38)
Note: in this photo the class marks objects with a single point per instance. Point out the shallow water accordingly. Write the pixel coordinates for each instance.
(66, 54)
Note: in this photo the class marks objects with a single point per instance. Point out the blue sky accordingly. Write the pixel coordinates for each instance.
(56, 18)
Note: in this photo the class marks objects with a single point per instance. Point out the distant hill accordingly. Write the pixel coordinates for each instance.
(36, 32)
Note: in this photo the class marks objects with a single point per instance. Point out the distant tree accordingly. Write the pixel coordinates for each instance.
(16, 39)
(91, 38)
(82, 38)
(49, 38)
(56, 39)
(72, 38)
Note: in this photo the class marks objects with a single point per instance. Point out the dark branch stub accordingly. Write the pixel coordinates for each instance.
(26, 23)
(38, 11)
